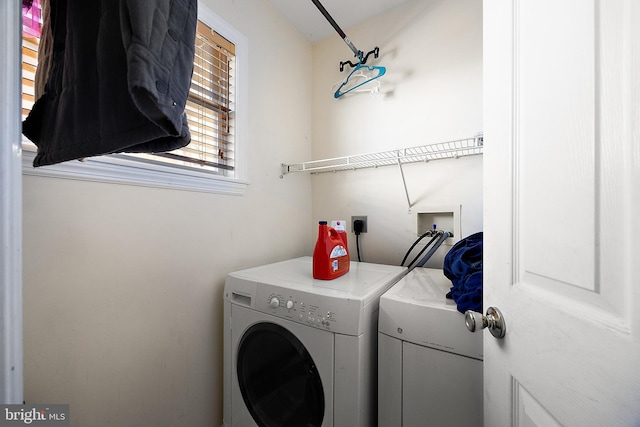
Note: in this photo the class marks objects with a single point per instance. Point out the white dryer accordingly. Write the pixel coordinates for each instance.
(300, 352)
(430, 365)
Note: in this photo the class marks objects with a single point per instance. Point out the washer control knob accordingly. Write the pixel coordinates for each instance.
(289, 305)
(274, 303)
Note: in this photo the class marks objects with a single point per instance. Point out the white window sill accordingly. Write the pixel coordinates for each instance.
(122, 169)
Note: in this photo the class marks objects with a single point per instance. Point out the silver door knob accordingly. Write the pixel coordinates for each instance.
(493, 320)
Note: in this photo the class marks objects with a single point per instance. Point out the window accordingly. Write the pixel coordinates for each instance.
(212, 162)
(31, 23)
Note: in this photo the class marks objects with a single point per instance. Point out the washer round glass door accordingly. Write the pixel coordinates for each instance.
(278, 379)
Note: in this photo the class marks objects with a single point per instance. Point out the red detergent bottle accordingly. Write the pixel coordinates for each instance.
(330, 256)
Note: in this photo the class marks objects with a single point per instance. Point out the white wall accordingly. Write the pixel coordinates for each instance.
(123, 284)
(432, 92)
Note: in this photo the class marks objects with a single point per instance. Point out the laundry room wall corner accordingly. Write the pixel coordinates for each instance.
(431, 93)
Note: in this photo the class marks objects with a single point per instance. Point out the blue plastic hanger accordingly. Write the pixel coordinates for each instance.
(359, 66)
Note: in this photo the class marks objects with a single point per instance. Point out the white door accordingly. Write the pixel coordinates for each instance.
(562, 211)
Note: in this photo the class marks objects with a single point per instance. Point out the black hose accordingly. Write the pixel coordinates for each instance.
(444, 236)
(410, 266)
(428, 233)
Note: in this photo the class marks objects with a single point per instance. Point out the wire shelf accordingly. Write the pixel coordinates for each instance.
(422, 153)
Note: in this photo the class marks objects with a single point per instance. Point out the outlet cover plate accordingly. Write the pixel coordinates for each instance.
(363, 218)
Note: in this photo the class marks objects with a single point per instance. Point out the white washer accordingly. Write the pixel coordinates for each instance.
(430, 365)
(302, 352)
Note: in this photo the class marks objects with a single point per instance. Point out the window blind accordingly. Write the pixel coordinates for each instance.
(31, 27)
(210, 105)
(29, 63)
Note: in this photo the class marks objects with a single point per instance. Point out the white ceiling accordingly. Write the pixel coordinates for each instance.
(306, 17)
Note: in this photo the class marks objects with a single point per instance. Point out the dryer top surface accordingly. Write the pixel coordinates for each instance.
(423, 287)
(364, 281)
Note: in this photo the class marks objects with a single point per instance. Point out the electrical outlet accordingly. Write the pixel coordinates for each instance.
(362, 218)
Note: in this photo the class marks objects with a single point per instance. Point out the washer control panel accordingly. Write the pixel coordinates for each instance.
(341, 315)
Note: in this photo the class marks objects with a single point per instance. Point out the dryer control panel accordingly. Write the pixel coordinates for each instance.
(347, 305)
(340, 315)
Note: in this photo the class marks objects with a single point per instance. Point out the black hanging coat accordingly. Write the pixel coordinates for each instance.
(118, 81)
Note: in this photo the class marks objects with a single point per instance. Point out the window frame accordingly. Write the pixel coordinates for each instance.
(128, 169)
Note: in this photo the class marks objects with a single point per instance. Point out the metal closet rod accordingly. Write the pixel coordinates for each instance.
(362, 59)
